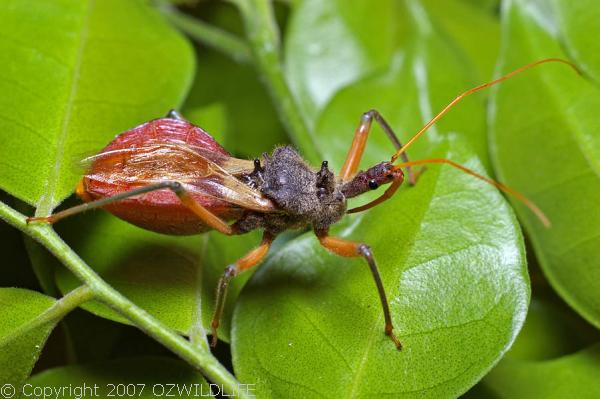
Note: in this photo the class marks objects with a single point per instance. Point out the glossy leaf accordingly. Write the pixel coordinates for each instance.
(168, 276)
(425, 76)
(546, 143)
(450, 253)
(78, 73)
(20, 346)
(330, 44)
(451, 257)
(148, 377)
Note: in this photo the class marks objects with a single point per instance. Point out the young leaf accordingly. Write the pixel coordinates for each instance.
(79, 72)
(20, 346)
(546, 143)
(148, 377)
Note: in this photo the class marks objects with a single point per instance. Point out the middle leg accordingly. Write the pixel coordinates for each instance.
(251, 259)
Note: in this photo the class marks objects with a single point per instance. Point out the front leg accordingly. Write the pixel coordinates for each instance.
(360, 141)
(355, 249)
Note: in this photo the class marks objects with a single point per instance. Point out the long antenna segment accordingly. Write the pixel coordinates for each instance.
(473, 90)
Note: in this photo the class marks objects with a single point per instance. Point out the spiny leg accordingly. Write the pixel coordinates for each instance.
(360, 141)
(355, 249)
(251, 259)
(184, 196)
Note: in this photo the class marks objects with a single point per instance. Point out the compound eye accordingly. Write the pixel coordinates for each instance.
(373, 184)
(321, 192)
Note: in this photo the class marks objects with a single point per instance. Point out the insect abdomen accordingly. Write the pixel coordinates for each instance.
(160, 211)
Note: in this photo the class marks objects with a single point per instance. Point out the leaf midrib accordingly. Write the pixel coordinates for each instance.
(47, 200)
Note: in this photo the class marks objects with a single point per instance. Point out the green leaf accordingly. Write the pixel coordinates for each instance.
(20, 347)
(147, 377)
(556, 355)
(249, 124)
(449, 250)
(248, 112)
(79, 72)
(213, 118)
(481, 47)
(551, 330)
(546, 143)
(330, 44)
(425, 76)
(490, 6)
(579, 24)
(451, 257)
(576, 375)
(167, 276)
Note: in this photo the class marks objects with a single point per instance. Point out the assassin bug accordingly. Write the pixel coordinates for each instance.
(172, 177)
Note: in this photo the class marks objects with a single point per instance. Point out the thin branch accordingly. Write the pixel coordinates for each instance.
(102, 291)
(263, 36)
(54, 313)
(197, 332)
(207, 34)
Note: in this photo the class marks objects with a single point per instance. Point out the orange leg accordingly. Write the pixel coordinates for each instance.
(360, 141)
(203, 214)
(355, 249)
(251, 259)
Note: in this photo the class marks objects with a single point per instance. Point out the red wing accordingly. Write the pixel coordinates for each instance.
(201, 171)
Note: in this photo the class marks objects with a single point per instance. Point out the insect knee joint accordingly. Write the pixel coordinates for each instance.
(368, 116)
(173, 114)
(230, 271)
(175, 186)
(365, 251)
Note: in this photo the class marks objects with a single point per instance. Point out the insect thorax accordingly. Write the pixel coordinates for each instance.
(305, 196)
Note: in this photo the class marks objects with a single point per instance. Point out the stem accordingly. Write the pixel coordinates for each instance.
(197, 333)
(55, 312)
(263, 36)
(102, 291)
(204, 33)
